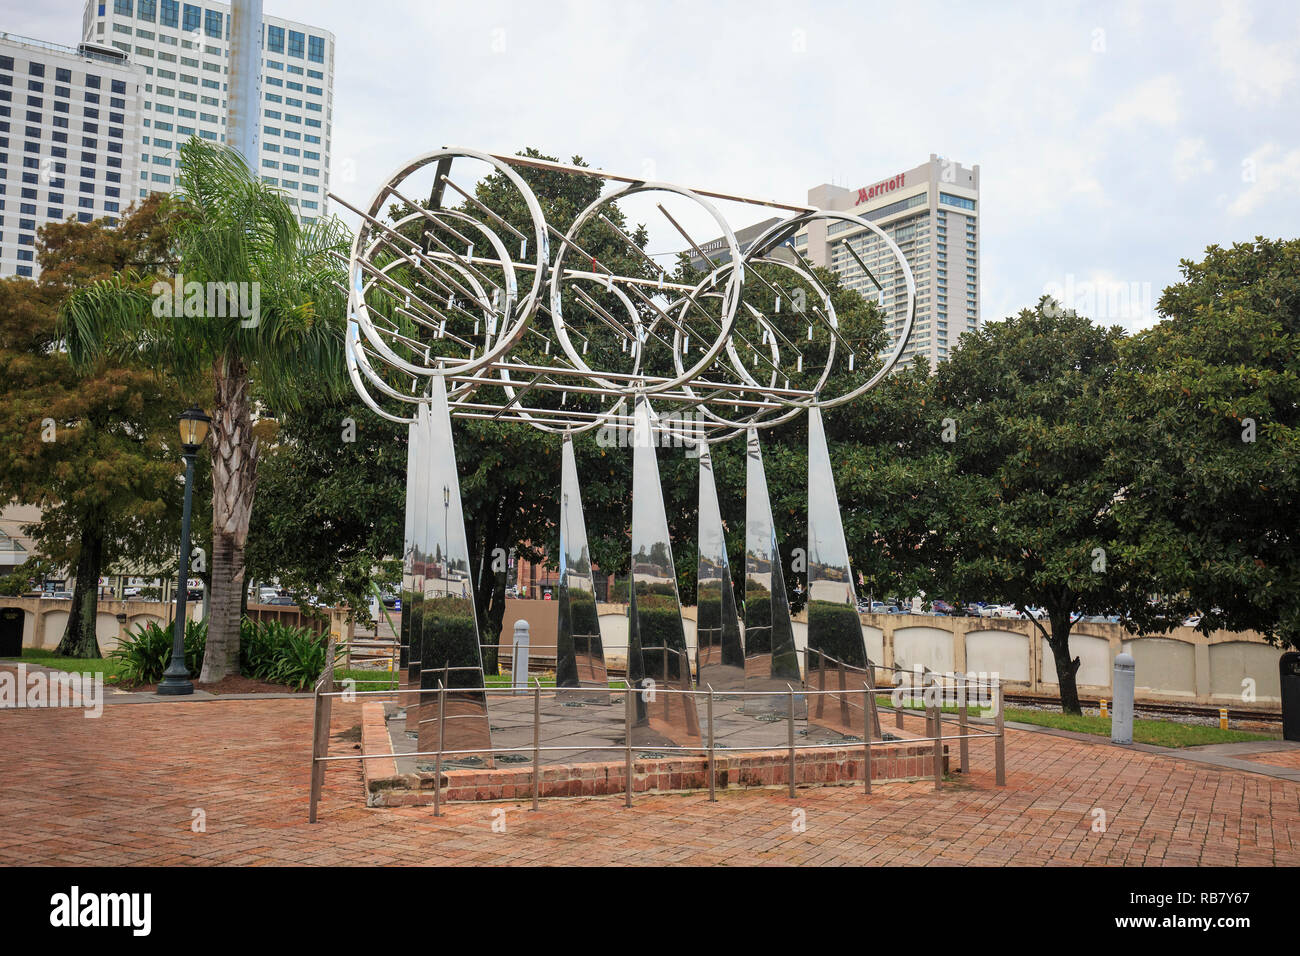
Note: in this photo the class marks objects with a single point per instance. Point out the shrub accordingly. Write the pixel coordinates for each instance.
(144, 654)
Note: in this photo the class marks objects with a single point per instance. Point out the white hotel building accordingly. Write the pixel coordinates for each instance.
(69, 124)
(932, 214)
(182, 51)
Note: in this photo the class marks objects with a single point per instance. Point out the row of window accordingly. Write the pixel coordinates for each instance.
(188, 17)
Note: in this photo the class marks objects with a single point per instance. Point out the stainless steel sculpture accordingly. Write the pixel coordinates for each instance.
(580, 652)
(720, 650)
(465, 302)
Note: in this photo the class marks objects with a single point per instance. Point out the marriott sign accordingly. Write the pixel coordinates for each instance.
(879, 189)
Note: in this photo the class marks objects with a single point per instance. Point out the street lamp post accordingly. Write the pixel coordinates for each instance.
(176, 679)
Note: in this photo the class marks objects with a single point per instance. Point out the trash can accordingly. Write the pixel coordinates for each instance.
(11, 632)
(1289, 671)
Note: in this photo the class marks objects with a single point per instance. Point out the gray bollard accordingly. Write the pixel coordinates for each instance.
(519, 662)
(1121, 720)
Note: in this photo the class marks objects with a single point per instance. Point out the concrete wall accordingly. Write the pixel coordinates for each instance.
(1181, 666)
(44, 619)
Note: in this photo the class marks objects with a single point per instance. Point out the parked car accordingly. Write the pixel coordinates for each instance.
(942, 608)
(281, 599)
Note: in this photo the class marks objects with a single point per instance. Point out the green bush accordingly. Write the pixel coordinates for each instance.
(144, 654)
(268, 651)
(281, 654)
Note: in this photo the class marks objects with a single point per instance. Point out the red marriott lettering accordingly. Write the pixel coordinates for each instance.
(880, 188)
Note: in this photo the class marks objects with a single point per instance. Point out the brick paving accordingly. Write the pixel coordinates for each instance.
(123, 789)
(1280, 758)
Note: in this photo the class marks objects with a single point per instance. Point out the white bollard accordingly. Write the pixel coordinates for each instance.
(1125, 679)
(519, 663)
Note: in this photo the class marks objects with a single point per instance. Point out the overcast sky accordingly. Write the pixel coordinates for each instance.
(1112, 139)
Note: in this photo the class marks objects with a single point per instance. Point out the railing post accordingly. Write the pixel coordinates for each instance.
(627, 736)
(898, 711)
(537, 740)
(437, 759)
(938, 747)
(790, 726)
(868, 699)
(821, 681)
(712, 796)
(963, 726)
(319, 748)
(1000, 744)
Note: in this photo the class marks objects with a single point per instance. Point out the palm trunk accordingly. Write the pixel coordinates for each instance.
(234, 481)
(79, 638)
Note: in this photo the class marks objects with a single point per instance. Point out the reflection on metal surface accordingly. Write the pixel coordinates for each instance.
(837, 651)
(580, 654)
(656, 654)
(841, 709)
(446, 619)
(414, 502)
(720, 653)
(771, 662)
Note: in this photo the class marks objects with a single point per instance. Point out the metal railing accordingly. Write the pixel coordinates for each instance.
(867, 706)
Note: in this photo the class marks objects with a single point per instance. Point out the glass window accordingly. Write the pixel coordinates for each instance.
(168, 12)
(212, 23)
(193, 15)
(274, 39)
(316, 49)
(122, 7)
(297, 44)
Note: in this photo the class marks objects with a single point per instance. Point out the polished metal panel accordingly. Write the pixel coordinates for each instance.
(413, 501)
(580, 653)
(720, 650)
(837, 651)
(449, 632)
(771, 661)
(657, 658)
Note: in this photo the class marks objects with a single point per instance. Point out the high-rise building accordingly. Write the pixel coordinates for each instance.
(932, 214)
(183, 50)
(69, 124)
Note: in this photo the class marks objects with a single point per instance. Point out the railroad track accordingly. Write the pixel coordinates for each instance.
(1148, 707)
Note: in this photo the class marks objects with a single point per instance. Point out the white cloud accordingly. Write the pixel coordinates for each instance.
(1259, 71)
(1268, 175)
(1154, 102)
(1191, 159)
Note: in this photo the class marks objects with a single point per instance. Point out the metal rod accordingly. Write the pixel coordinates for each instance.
(627, 743)
(437, 761)
(961, 725)
(537, 740)
(867, 696)
(938, 744)
(317, 768)
(685, 235)
(712, 796)
(790, 726)
(1000, 743)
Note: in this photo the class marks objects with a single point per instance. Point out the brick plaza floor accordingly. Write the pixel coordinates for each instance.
(123, 789)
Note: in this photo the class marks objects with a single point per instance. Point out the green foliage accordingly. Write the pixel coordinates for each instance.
(143, 654)
(1209, 447)
(269, 651)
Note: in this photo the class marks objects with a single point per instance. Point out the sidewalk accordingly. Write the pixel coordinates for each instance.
(128, 788)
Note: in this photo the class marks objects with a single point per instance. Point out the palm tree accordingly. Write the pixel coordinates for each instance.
(231, 228)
